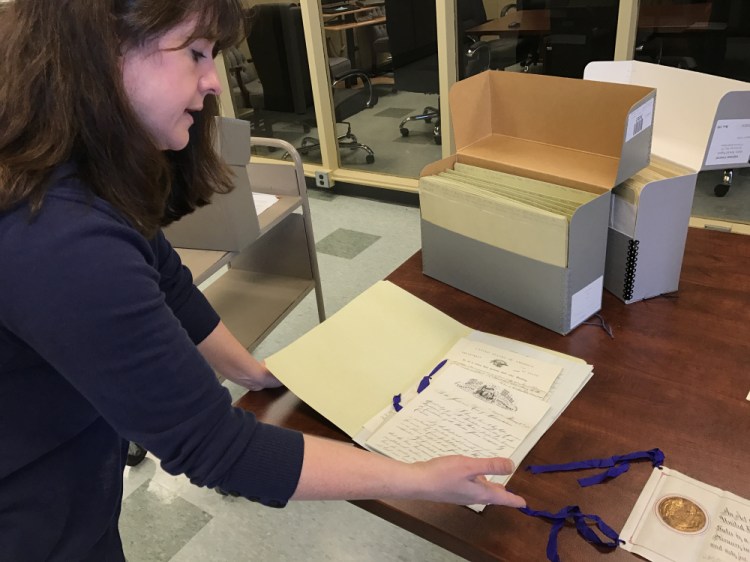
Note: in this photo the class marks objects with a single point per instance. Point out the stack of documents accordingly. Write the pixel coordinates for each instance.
(491, 396)
(628, 194)
(483, 402)
(515, 213)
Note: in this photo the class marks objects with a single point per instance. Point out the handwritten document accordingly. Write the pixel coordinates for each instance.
(526, 373)
(680, 519)
(461, 412)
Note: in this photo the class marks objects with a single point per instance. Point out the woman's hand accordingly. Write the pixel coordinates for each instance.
(258, 377)
(226, 355)
(463, 480)
(332, 470)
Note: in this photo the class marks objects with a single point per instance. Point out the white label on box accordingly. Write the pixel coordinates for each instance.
(586, 302)
(730, 143)
(640, 119)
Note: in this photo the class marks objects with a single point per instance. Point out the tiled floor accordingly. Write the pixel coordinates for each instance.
(165, 518)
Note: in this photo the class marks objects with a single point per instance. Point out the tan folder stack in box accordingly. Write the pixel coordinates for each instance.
(702, 122)
(519, 215)
(502, 210)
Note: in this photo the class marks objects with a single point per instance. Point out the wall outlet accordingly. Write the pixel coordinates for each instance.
(322, 180)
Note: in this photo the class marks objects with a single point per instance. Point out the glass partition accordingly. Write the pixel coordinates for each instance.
(382, 57)
(709, 37)
(269, 77)
(554, 37)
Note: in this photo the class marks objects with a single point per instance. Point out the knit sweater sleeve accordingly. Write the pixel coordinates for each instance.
(187, 303)
(97, 302)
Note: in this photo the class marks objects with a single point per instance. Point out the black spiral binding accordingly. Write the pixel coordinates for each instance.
(630, 266)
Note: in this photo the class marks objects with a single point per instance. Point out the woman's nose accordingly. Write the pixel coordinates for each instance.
(209, 82)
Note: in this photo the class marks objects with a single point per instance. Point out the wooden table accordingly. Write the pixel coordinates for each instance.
(521, 22)
(661, 19)
(675, 376)
(675, 18)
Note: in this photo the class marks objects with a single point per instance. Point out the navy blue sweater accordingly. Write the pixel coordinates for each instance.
(98, 334)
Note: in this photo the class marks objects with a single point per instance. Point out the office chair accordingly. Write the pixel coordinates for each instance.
(504, 51)
(412, 35)
(381, 61)
(277, 43)
(246, 89)
(346, 101)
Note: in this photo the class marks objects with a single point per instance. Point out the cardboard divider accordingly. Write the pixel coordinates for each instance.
(565, 130)
(230, 222)
(572, 133)
(698, 126)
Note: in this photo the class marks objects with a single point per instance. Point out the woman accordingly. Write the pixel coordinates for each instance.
(105, 135)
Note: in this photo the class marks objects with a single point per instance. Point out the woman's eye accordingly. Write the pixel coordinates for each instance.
(197, 55)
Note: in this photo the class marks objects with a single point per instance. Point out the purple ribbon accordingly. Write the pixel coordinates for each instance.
(397, 403)
(579, 519)
(616, 465)
(424, 383)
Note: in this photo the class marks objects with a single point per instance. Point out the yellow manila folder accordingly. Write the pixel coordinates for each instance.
(349, 367)
(381, 349)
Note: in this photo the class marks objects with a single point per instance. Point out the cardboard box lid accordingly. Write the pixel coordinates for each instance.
(575, 132)
(688, 107)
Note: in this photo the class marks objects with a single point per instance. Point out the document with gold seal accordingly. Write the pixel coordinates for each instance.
(679, 519)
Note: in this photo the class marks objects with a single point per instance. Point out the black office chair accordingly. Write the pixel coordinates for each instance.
(504, 51)
(381, 61)
(412, 35)
(277, 42)
(246, 90)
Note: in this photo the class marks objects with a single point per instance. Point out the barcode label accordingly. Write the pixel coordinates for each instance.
(638, 126)
(640, 119)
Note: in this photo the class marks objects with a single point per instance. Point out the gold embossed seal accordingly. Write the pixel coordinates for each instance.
(682, 514)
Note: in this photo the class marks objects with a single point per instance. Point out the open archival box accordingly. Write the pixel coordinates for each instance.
(406, 380)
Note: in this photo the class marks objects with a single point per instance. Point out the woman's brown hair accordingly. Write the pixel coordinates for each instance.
(62, 99)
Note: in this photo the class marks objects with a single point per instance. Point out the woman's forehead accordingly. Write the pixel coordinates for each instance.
(186, 32)
(211, 25)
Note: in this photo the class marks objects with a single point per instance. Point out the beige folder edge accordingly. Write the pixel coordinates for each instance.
(381, 343)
